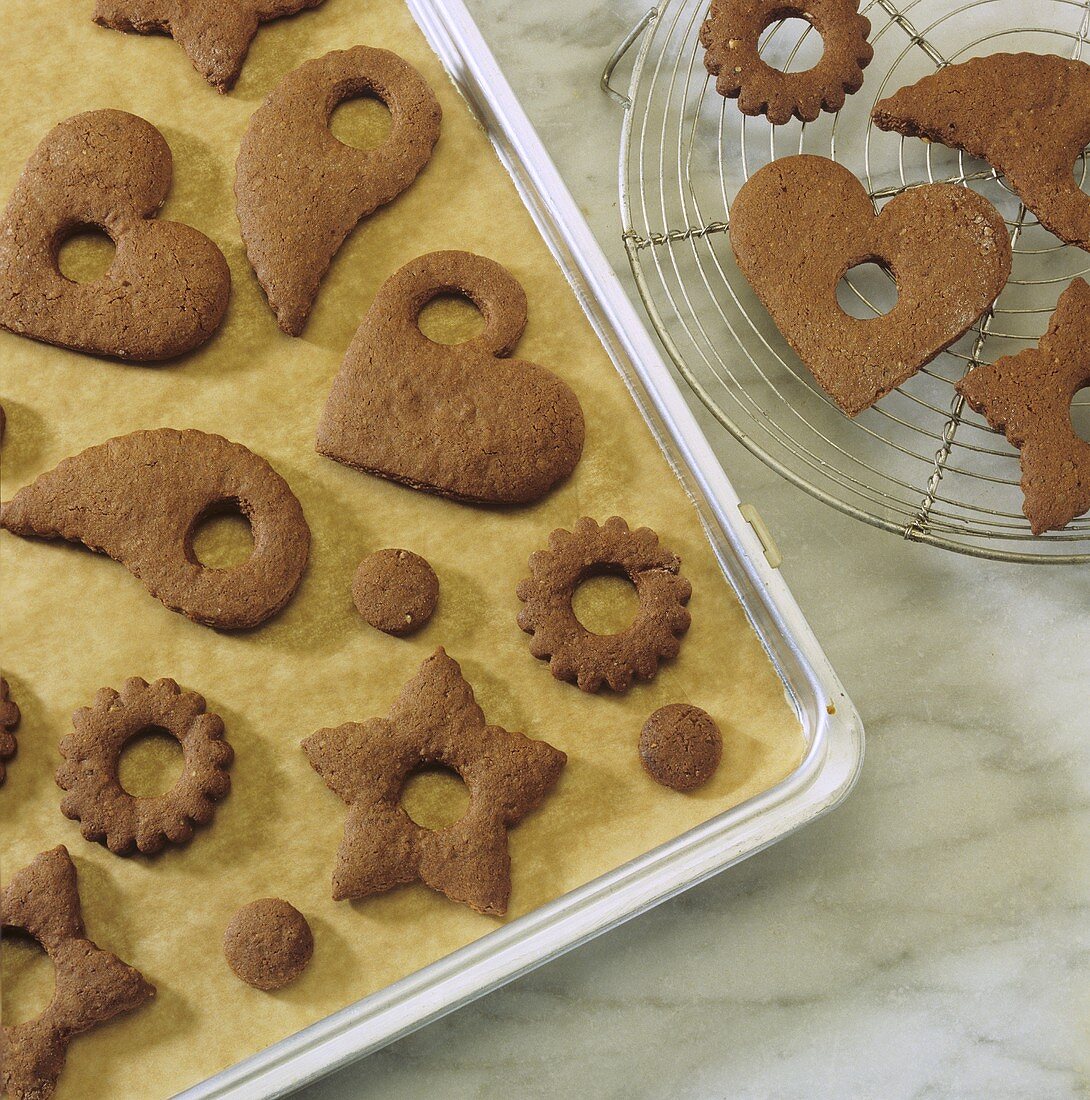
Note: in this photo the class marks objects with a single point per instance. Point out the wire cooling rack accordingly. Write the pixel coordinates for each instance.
(921, 463)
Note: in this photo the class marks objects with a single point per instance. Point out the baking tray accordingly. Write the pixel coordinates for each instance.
(748, 557)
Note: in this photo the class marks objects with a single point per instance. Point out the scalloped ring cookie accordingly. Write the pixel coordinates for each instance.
(92, 752)
(731, 36)
(575, 653)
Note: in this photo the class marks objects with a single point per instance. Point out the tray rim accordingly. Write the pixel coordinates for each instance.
(823, 779)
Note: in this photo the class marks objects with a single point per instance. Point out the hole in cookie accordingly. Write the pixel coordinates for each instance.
(26, 977)
(86, 254)
(450, 319)
(223, 538)
(362, 123)
(606, 603)
(790, 44)
(151, 763)
(435, 797)
(867, 291)
(1080, 414)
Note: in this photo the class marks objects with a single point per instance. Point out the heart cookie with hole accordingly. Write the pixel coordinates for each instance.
(166, 291)
(800, 224)
(462, 420)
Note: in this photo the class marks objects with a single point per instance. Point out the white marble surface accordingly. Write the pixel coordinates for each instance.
(929, 939)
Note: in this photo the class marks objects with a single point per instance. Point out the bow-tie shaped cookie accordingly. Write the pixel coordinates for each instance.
(166, 290)
(802, 223)
(1028, 398)
(462, 420)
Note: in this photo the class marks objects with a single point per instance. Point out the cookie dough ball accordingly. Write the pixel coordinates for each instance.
(680, 746)
(268, 943)
(395, 591)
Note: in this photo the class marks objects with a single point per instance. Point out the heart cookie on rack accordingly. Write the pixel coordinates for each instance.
(800, 224)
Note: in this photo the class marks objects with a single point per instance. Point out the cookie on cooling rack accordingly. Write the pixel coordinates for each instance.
(1028, 398)
(1026, 114)
(731, 37)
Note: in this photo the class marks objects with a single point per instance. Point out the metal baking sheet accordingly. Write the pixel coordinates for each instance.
(831, 725)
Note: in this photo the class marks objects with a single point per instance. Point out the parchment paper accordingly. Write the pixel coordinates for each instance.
(74, 621)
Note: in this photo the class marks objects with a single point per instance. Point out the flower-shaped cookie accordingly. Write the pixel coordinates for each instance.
(574, 653)
(90, 985)
(435, 720)
(731, 36)
(105, 810)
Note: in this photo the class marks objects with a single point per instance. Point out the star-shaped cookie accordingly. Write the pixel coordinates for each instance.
(91, 985)
(435, 720)
(1028, 398)
(215, 34)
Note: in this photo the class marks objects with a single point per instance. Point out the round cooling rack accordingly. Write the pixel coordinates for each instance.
(920, 463)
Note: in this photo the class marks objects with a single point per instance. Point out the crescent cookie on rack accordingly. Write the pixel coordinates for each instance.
(1028, 398)
(576, 654)
(731, 36)
(92, 752)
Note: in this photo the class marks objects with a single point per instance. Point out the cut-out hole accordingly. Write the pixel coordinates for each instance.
(26, 977)
(450, 319)
(151, 763)
(223, 538)
(363, 122)
(791, 45)
(1080, 413)
(435, 797)
(867, 291)
(86, 255)
(606, 603)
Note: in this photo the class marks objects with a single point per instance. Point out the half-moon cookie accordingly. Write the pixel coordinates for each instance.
(268, 944)
(166, 291)
(801, 223)
(300, 191)
(395, 591)
(435, 720)
(1028, 398)
(465, 421)
(91, 985)
(1026, 114)
(215, 34)
(731, 37)
(140, 499)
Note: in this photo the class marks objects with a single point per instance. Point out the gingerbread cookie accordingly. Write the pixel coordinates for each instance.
(801, 223)
(680, 746)
(106, 811)
(215, 34)
(1028, 398)
(90, 985)
(300, 191)
(435, 720)
(9, 723)
(1026, 114)
(268, 944)
(140, 498)
(463, 420)
(395, 591)
(731, 37)
(573, 652)
(165, 292)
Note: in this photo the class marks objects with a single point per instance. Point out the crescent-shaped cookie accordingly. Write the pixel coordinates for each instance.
(300, 191)
(141, 497)
(1026, 114)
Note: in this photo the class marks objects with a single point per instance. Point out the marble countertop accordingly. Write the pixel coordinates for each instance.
(931, 938)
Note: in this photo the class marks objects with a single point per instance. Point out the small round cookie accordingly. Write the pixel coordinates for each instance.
(680, 746)
(395, 591)
(268, 943)
(9, 722)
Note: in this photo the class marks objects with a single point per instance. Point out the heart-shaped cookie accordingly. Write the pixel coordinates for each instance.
(800, 224)
(166, 290)
(461, 421)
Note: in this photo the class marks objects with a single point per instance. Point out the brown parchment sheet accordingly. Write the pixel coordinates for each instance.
(73, 621)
